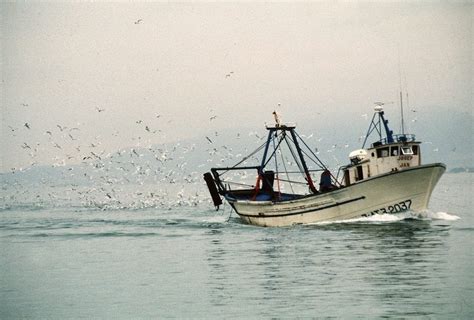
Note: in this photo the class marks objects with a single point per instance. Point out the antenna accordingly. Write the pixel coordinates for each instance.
(401, 96)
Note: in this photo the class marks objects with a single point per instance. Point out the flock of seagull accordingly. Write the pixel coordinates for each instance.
(86, 171)
(171, 172)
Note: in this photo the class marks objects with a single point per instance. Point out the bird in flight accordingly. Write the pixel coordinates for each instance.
(138, 21)
(27, 125)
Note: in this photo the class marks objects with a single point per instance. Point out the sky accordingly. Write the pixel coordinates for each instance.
(82, 76)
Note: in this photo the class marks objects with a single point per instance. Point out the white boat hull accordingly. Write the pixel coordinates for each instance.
(408, 189)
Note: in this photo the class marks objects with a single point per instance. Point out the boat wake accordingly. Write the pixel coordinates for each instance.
(439, 216)
(389, 218)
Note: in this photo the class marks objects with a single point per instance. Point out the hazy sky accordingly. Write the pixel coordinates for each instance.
(110, 69)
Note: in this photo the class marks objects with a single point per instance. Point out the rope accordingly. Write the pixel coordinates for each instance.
(292, 181)
(238, 183)
(230, 213)
(294, 157)
(287, 175)
(245, 158)
(223, 211)
(275, 148)
(320, 163)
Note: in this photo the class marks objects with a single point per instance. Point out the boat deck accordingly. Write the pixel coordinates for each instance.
(262, 196)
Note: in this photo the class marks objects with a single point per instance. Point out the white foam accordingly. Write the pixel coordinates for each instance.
(388, 218)
(377, 218)
(215, 220)
(439, 216)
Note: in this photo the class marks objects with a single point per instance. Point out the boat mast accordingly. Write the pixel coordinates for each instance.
(267, 145)
(271, 131)
(269, 139)
(378, 125)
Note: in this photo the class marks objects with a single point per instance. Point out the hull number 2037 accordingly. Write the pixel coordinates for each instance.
(398, 207)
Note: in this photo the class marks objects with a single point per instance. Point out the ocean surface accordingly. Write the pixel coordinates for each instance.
(60, 260)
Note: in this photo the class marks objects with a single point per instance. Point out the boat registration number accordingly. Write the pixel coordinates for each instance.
(398, 207)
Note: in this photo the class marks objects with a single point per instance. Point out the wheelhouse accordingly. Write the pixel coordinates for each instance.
(388, 154)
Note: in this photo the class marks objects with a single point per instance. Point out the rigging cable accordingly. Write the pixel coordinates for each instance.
(294, 156)
(287, 175)
(320, 162)
(274, 151)
(245, 158)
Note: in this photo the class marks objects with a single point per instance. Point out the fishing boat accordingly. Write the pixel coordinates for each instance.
(385, 177)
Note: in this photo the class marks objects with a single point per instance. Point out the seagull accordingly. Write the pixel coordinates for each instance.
(210, 141)
(95, 155)
(27, 125)
(154, 131)
(99, 110)
(138, 21)
(212, 118)
(60, 127)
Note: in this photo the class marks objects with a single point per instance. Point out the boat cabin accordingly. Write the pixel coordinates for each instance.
(388, 154)
(381, 158)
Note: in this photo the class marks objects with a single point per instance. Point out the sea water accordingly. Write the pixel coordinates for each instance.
(59, 262)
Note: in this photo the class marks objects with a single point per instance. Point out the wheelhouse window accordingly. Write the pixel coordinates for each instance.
(407, 151)
(415, 150)
(394, 151)
(383, 152)
(359, 174)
